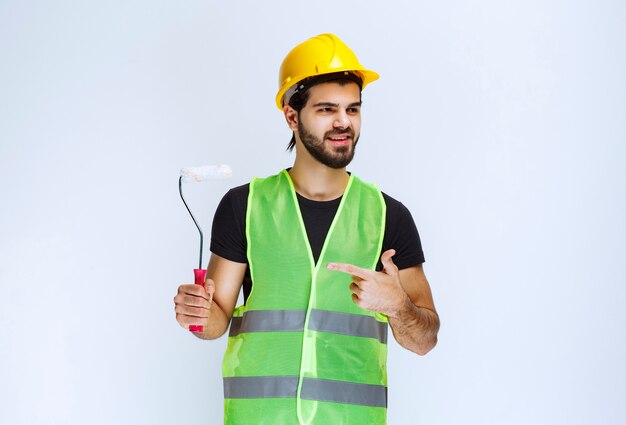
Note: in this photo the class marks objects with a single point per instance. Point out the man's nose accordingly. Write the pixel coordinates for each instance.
(341, 120)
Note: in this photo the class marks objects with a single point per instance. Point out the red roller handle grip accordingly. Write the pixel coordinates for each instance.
(199, 275)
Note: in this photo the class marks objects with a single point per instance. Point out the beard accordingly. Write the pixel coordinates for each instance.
(333, 157)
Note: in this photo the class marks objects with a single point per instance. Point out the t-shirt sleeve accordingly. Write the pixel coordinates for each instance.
(228, 234)
(401, 234)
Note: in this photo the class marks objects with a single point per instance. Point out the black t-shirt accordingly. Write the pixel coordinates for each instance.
(228, 236)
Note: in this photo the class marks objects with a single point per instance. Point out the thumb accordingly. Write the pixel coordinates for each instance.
(388, 265)
(209, 287)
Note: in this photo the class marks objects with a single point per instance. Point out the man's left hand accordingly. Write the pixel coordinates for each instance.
(380, 292)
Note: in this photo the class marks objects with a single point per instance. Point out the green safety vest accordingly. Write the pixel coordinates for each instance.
(300, 351)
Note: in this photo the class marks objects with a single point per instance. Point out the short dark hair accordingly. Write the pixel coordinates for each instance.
(300, 98)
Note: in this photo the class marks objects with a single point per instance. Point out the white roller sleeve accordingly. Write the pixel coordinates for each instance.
(206, 172)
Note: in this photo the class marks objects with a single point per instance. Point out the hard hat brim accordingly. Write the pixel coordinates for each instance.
(367, 77)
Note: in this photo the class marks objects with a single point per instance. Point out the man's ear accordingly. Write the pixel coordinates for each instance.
(291, 116)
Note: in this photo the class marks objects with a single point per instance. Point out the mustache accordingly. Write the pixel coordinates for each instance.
(347, 131)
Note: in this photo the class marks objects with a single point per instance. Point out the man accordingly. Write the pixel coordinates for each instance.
(314, 247)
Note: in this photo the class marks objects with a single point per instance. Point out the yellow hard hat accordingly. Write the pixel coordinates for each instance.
(322, 54)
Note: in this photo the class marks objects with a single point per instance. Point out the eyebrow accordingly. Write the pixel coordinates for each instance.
(330, 104)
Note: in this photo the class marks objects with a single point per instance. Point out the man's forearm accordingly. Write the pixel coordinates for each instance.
(218, 324)
(415, 328)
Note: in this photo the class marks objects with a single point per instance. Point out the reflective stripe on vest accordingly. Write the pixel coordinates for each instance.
(312, 389)
(319, 320)
(299, 335)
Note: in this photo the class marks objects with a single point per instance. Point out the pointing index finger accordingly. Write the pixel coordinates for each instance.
(349, 269)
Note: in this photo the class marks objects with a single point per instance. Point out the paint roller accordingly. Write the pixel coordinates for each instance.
(196, 175)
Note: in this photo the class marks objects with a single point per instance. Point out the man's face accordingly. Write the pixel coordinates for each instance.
(329, 124)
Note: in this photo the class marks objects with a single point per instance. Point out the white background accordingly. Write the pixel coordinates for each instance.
(501, 125)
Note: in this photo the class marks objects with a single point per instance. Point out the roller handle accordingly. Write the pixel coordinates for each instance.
(199, 275)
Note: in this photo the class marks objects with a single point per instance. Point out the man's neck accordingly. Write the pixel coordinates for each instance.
(317, 182)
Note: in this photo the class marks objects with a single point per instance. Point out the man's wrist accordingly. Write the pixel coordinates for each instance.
(404, 308)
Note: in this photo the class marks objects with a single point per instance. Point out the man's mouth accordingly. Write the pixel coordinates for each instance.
(339, 139)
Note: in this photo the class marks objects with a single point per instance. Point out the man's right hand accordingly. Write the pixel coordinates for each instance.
(193, 304)
(208, 306)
